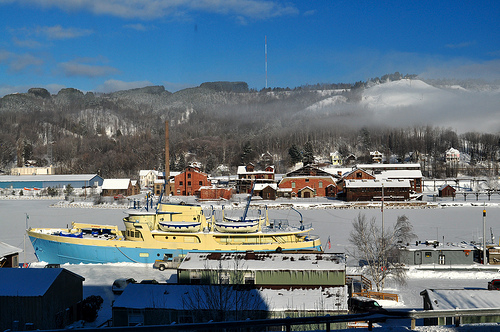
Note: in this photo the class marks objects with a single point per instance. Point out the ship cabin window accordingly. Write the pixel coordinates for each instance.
(195, 281)
(428, 254)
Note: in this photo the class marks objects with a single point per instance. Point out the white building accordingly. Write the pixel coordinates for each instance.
(452, 155)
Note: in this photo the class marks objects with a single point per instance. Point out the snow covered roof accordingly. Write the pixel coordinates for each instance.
(377, 183)
(115, 183)
(262, 186)
(267, 261)
(388, 166)
(144, 172)
(243, 170)
(6, 249)
(170, 296)
(28, 282)
(400, 174)
(47, 178)
(450, 299)
(429, 246)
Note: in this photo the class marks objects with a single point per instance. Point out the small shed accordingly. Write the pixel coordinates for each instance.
(114, 187)
(446, 191)
(39, 298)
(266, 190)
(433, 252)
(9, 255)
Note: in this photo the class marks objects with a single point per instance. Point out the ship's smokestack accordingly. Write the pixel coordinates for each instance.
(167, 160)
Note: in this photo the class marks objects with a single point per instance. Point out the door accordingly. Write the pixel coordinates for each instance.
(418, 258)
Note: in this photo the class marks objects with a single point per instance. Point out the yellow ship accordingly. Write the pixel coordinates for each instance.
(169, 230)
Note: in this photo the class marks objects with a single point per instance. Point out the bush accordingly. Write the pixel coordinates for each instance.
(90, 307)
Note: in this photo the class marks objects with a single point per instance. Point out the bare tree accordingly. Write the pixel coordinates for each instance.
(379, 248)
(224, 296)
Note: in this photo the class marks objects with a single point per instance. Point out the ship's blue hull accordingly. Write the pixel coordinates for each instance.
(60, 253)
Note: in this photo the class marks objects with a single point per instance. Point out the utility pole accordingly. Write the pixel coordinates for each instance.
(484, 236)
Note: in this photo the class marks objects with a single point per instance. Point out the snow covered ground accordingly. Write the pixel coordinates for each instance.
(452, 221)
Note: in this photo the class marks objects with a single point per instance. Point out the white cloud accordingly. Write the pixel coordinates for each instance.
(138, 27)
(116, 85)
(460, 45)
(20, 62)
(58, 32)
(78, 68)
(153, 9)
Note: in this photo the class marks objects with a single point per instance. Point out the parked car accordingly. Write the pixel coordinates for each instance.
(494, 284)
(120, 284)
(360, 304)
(149, 281)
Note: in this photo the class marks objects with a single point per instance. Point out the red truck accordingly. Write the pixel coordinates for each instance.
(494, 284)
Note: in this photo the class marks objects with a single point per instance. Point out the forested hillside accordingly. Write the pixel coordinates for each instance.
(217, 123)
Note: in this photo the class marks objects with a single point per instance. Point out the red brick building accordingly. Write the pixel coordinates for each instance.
(374, 190)
(309, 181)
(189, 182)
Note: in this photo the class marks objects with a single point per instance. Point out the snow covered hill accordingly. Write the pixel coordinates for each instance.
(414, 102)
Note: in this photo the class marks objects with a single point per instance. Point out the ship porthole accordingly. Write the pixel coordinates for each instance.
(279, 250)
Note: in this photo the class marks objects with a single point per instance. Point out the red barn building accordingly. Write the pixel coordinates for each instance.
(189, 182)
(309, 181)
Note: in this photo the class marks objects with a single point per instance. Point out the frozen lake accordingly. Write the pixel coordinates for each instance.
(453, 224)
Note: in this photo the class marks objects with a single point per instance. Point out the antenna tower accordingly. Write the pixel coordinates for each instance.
(266, 58)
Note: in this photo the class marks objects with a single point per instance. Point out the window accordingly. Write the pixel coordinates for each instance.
(359, 175)
(428, 254)
(189, 175)
(200, 183)
(249, 281)
(293, 184)
(320, 184)
(307, 180)
(180, 183)
(189, 183)
(442, 259)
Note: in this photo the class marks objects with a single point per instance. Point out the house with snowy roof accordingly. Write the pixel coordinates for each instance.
(457, 299)
(9, 255)
(248, 175)
(160, 304)
(452, 155)
(438, 254)
(116, 187)
(147, 177)
(32, 299)
(286, 270)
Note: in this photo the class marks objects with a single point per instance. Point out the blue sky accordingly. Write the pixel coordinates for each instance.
(108, 45)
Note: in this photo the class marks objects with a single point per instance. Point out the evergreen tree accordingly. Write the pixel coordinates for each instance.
(247, 153)
(308, 153)
(294, 154)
